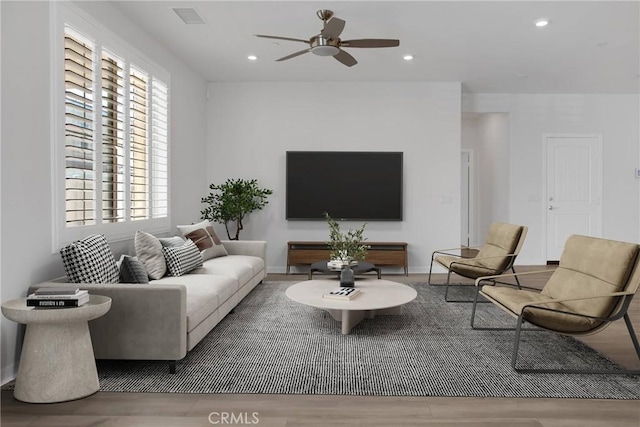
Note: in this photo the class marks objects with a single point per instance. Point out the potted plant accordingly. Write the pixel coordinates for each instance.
(231, 201)
(346, 247)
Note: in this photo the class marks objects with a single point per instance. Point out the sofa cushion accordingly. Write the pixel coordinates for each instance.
(182, 259)
(90, 261)
(149, 252)
(240, 267)
(204, 236)
(205, 293)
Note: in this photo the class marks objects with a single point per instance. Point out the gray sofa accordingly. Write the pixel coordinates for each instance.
(166, 318)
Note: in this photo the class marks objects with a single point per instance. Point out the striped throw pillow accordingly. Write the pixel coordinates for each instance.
(182, 259)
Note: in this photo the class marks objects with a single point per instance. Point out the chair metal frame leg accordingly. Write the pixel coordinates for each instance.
(516, 345)
(431, 268)
(475, 301)
(518, 332)
(473, 316)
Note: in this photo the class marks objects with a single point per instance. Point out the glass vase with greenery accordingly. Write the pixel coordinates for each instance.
(232, 201)
(347, 246)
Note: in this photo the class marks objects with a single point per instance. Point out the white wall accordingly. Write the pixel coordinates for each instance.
(488, 136)
(252, 125)
(531, 116)
(26, 164)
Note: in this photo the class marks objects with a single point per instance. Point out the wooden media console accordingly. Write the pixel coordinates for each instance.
(380, 253)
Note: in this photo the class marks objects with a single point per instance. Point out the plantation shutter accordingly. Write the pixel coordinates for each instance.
(138, 143)
(160, 149)
(113, 196)
(116, 137)
(79, 148)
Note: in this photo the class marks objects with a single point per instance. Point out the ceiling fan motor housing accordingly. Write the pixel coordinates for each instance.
(322, 46)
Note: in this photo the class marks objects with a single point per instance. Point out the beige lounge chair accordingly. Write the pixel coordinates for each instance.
(591, 288)
(497, 255)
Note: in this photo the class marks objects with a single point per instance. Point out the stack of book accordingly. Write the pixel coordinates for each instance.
(342, 293)
(337, 264)
(67, 296)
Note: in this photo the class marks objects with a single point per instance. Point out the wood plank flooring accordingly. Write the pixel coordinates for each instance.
(177, 410)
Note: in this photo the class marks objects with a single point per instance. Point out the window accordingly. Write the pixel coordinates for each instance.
(112, 175)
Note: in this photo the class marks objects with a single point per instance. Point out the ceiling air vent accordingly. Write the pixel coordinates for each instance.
(188, 15)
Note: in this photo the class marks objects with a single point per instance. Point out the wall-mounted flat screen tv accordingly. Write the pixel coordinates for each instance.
(349, 185)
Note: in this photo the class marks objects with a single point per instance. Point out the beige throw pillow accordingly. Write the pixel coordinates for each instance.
(149, 252)
(203, 235)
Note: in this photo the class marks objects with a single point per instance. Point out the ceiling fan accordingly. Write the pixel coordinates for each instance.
(328, 42)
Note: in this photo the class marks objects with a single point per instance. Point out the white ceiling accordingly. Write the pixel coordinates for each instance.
(489, 46)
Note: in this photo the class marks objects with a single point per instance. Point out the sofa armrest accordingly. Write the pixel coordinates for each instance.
(247, 247)
(145, 322)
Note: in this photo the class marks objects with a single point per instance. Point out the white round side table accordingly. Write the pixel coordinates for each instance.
(57, 362)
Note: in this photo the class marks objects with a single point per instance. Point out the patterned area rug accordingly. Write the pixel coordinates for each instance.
(270, 344)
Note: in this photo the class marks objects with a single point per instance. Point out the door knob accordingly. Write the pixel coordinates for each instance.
(551, 207)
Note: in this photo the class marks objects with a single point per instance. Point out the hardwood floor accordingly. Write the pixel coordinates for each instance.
(177, 410)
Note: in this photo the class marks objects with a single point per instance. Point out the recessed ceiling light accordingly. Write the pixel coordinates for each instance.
(407, 57)
(542, 22)
(252, 57)
(522, 75)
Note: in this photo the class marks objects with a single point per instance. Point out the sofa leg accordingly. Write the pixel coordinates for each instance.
(172, 366)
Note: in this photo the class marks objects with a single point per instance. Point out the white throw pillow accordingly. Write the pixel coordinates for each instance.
(205, 238)
(149, 252)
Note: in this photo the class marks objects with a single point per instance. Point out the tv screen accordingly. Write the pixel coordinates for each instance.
(350, 185)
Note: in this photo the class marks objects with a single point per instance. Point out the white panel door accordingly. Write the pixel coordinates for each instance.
(574, 189)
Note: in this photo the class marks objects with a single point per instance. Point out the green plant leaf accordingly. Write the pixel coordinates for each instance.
(232, 201)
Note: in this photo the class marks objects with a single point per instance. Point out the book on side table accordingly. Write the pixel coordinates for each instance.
(45, 298)
(342, 293)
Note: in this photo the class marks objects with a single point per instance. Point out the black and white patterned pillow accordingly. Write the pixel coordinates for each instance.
(90, 261)
(182, 259)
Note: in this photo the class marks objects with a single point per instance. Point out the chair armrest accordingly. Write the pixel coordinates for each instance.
(443, 252)
(527, 273)
(552, 300)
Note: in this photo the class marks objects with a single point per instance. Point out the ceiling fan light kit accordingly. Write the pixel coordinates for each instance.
(322, 46)
(328, 42)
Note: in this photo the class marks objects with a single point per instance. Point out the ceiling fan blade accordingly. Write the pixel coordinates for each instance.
(370, 43)
(282, 38)
(333, 28)
(345, 58)
(293, 55)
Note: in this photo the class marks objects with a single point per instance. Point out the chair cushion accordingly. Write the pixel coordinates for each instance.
(514, 300)
(591, 266)
(502, 240)
(466, 267)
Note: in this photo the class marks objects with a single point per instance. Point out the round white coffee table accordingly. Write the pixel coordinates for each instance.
(57, 362)
(376, 297)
